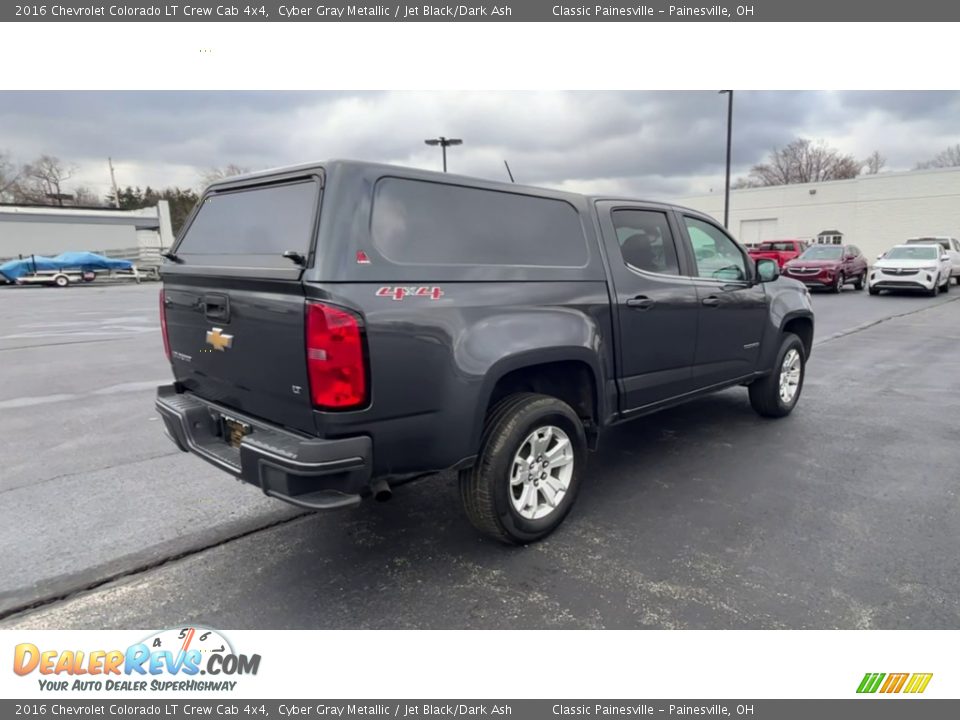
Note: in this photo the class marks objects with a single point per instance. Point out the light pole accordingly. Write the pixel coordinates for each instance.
(726, 191)
(444, 143)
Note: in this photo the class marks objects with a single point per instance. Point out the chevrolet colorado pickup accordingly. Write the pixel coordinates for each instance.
(338, 329)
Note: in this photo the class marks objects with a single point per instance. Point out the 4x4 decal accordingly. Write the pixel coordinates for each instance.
(400, 292)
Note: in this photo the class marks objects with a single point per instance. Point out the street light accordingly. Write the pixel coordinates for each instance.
(444, 143)
(726, 192)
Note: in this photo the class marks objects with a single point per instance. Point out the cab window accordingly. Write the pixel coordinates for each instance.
(717, 256)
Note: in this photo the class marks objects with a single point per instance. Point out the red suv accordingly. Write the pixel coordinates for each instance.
(829, 266)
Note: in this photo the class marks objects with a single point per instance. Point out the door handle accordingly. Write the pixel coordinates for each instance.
(216, 307)
(641, 302)
(711, 301)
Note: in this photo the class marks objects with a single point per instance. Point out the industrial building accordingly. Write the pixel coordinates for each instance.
(872, 212)
(137, 235)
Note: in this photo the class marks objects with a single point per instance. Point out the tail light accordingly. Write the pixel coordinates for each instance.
(163, 324)
(335, 367)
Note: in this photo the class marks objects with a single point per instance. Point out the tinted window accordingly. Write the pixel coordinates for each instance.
(787, 246)
(646, 242)
(718, 257)
(265, 222)
(427, 223)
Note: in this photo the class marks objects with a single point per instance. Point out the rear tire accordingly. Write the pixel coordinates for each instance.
(776, 395)
(61, 281)
(861, 281)
(499, 481)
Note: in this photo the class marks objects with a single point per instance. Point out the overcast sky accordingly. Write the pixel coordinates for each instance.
(651, 144)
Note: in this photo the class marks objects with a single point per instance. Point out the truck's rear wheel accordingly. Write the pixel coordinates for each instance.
(777, 394)
(527, 475)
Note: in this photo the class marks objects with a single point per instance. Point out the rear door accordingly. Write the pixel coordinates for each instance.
(656, 305)
(234, 304)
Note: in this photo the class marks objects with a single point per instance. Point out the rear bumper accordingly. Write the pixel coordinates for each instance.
(307, 472)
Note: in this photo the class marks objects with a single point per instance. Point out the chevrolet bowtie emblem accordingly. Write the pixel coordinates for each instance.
(219, 340)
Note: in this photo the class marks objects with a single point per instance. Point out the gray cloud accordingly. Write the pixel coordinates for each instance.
(658, 144)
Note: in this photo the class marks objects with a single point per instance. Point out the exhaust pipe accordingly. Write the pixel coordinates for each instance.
(381, 491)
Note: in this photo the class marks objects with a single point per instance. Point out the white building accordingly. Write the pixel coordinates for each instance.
(872, 212)
(137, 235)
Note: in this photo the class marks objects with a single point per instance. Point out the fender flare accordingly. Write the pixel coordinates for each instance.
(532, 358)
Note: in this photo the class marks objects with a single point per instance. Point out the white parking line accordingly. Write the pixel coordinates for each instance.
(63, 397)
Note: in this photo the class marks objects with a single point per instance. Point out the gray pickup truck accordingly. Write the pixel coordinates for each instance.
(340, 328)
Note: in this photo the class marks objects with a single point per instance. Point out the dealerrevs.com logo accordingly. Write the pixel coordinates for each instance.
(172, 660)
(893, 683)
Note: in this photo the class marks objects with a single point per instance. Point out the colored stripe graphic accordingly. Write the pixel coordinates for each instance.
(894, 683)
(918, 682)
(870, 682)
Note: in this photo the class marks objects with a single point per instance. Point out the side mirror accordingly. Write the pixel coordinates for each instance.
(767, 270)
(880, 256)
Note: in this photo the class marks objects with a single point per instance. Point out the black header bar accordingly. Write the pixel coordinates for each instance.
(481, 11)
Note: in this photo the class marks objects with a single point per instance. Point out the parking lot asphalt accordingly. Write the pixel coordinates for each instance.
(843, 515)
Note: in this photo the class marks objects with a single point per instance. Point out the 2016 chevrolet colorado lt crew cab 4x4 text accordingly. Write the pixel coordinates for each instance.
(338, 329)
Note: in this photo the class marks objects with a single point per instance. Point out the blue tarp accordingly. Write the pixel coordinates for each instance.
(15, 269)
(90, 261)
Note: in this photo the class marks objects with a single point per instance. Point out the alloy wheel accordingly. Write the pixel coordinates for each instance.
(541, 472)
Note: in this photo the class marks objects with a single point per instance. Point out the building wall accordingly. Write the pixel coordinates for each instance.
(40, 238)
(137, 235)
(874, 211)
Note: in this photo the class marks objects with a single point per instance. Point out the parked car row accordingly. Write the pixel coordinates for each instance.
(923, 264)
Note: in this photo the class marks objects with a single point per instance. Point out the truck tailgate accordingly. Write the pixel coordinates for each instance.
(234, 304)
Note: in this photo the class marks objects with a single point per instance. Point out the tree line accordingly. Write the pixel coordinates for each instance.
(46, 181)
(805, 161)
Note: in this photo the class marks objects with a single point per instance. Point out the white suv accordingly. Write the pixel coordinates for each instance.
(912, 267)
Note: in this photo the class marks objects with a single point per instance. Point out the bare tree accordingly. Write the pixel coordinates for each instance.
(9, 176)
(42, 181)
(874, 163)
(944, 159)
(802, 161)
(219, 173)
(86, 197)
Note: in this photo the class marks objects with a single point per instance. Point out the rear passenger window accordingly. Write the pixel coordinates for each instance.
(415, 222)
(646, 242)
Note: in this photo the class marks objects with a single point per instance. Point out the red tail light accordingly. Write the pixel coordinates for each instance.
(338, 378)
(163, 325)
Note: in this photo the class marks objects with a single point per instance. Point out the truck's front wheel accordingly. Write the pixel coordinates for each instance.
(527, 475)
(777, 394)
